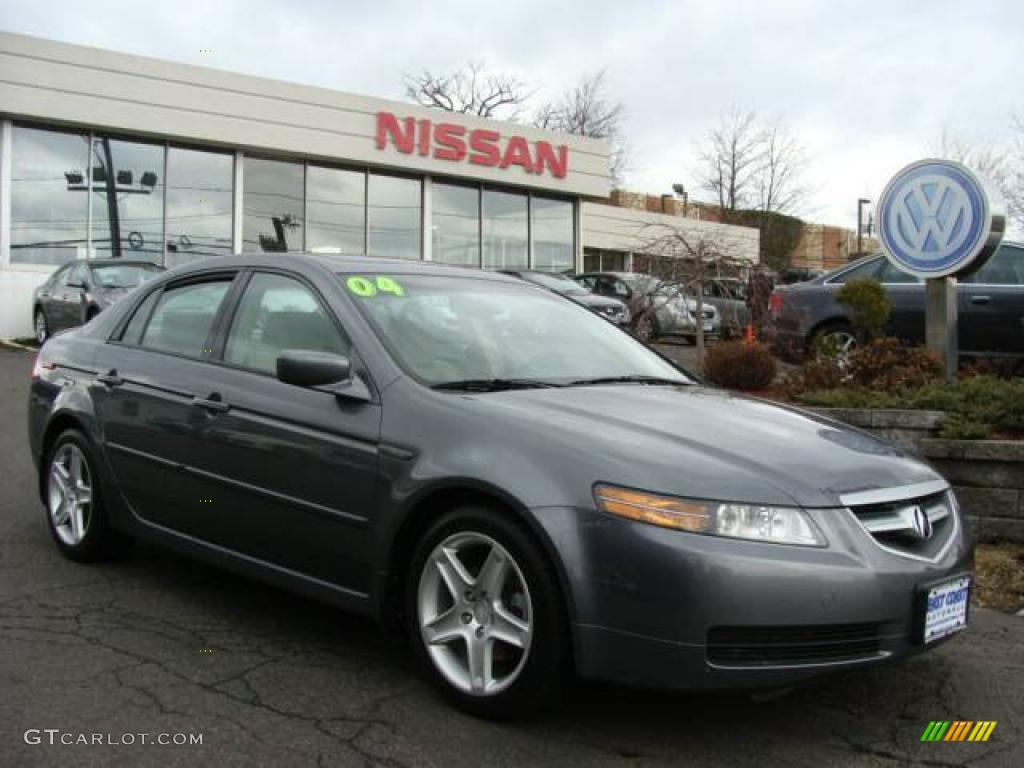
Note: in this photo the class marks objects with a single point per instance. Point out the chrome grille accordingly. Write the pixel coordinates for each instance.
(919, 527)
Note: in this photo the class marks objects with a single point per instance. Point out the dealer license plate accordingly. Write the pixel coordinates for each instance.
(946, 608)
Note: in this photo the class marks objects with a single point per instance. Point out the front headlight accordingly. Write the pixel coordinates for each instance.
(780, 525)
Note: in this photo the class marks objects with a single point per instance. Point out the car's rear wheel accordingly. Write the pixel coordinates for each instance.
(486, 615)
(74, 502)
(42, 327)
(834, 340)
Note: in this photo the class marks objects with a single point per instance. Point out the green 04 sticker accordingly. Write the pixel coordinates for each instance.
(367, 287)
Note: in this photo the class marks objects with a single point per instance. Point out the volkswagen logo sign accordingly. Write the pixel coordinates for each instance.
(935, 218)
(922, 525)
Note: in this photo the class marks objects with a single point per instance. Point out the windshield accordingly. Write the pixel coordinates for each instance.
(447, 329)
(557, 283)
(124, 275)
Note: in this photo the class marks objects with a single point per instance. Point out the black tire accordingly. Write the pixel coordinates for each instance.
(41, 326)
(545, 671)
(91, 313)
(99, 541)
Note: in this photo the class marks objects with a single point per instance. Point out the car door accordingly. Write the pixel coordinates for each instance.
(294, 469)
(65, 299)
(991, 305)
(906, 292)
(149, 403)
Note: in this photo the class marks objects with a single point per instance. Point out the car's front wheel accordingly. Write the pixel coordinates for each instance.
(42, 327)
(74, 502)
(486, 615)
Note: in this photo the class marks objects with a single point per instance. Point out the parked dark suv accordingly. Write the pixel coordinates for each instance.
(991, 306)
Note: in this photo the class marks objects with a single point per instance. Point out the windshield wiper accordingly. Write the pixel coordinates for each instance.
(493, 385)
(630, 379)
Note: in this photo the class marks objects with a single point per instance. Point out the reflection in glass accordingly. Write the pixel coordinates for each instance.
(335, 210)
(272, 205)
(394, 217)
(552, 234)
(199, 197)
(506, 230)
(127, 199)
(455, 229)
(49, 201)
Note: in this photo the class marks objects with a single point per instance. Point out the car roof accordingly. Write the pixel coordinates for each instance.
(344, 264)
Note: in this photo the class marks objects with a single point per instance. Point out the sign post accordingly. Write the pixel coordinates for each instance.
(937, 221)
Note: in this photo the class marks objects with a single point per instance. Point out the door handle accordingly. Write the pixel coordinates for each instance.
(212, 403)
(980, 299)
(110, 378)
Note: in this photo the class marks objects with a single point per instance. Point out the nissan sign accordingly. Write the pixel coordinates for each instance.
(479, 146)
(936, 219)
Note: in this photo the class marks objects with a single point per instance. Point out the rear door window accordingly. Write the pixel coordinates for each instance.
(1006, 267)
(184, 316)
(892, 275)
(867, 269)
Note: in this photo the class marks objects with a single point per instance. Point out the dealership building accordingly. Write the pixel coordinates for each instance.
(104, 154)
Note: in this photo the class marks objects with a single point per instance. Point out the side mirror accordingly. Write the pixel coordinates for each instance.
(320, 370)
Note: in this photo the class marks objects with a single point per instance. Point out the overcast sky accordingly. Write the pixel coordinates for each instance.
(866, 86)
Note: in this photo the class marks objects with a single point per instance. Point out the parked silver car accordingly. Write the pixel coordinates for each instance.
(658, 308)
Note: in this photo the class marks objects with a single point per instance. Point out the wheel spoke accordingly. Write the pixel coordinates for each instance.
(77, 522)
(454, 573)
(445, 628)
(509, 629)
(75, 468)
(61, 513)
(492, 574)
(480, 656)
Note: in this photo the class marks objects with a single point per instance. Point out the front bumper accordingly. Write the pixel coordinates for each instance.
(644, 599)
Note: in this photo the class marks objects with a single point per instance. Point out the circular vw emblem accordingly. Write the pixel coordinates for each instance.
(922, 525)
(934, 218)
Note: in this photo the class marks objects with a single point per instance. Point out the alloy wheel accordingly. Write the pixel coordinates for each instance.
(69, 494)
(475, 613)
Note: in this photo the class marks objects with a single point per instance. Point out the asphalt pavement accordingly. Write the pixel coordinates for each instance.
(156, 644)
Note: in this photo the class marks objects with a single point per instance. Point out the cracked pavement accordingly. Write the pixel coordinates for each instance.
(157, 643)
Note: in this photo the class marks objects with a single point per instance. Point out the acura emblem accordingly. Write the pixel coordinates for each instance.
(922, 525)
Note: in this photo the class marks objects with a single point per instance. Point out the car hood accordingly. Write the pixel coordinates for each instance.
(707, 443)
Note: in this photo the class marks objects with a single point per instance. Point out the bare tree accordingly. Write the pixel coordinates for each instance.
(747, 163)
(1002, 163)
(779, 179)
(731, 160)
(585, 109)
(469, 90)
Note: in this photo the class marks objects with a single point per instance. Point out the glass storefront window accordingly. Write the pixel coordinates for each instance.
(506, 230)
(455, 224)
(127, 199)
(335, 210)
(49, 200)
(394, 216)
(199, 199)
(272, 205)
(552, 234)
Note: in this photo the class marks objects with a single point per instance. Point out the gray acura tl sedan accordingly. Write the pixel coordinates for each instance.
(523, 488)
